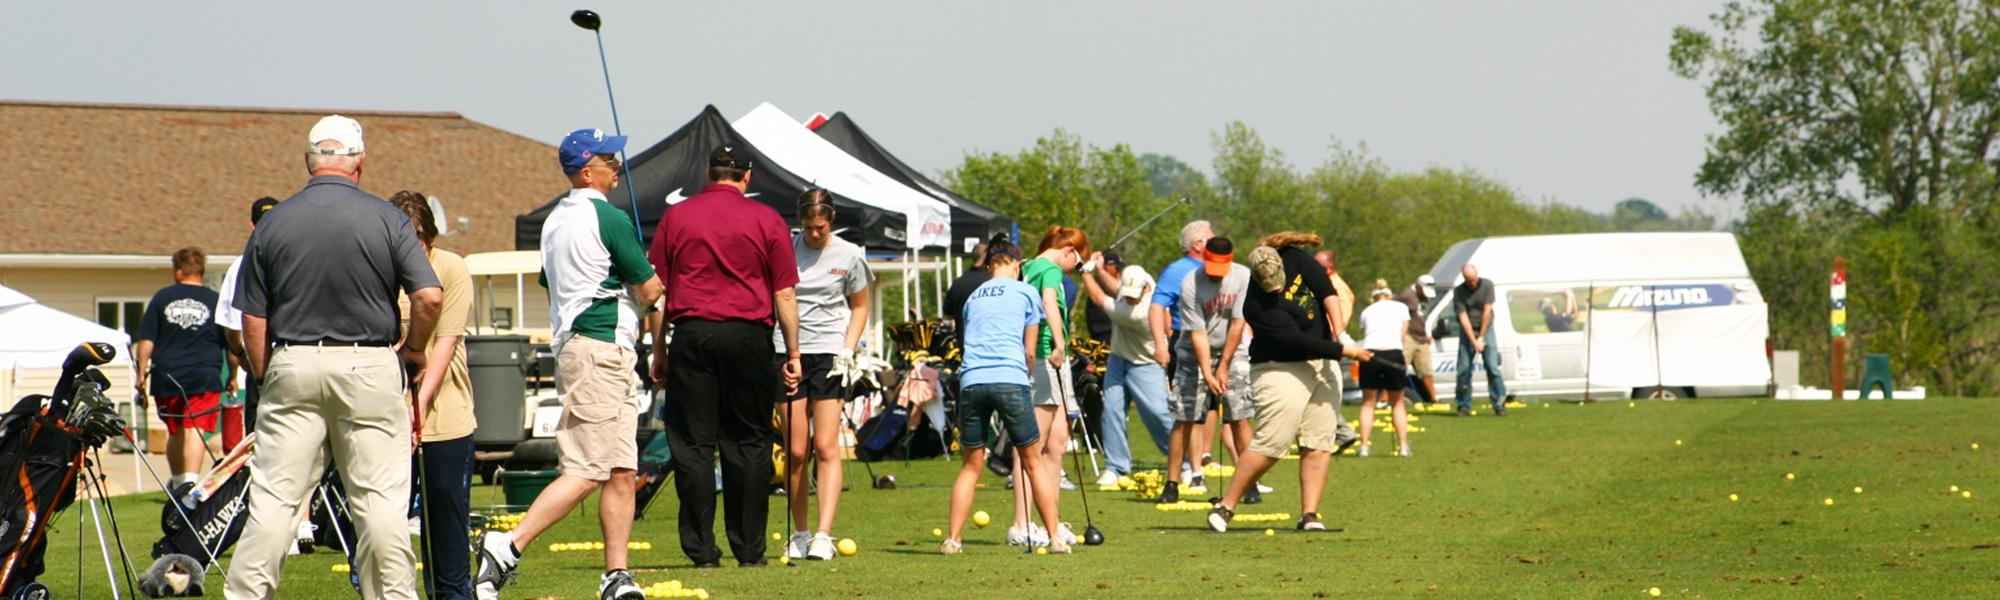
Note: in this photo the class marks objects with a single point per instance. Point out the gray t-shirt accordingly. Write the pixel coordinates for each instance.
(826, 277)
(328, 265)
(1213, 303)
(1471, 302)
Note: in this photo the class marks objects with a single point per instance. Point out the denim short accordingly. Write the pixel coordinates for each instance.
(978, 404)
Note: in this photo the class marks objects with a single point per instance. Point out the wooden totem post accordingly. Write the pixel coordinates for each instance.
(1839, 328)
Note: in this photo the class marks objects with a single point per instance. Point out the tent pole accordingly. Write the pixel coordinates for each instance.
(1653, 302)
(916, 259)
(1589, 332)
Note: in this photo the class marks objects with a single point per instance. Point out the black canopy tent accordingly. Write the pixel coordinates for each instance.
(677, 167)
(968, 218)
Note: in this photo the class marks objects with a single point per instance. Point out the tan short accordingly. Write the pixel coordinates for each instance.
(594, 380)
(1296, 401)
(1418, 355)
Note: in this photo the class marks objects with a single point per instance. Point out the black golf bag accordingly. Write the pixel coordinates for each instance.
(202, 521)
(42, 444)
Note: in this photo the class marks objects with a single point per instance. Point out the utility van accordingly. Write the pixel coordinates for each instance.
(1610, 316)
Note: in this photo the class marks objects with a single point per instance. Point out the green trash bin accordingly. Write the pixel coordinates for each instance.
(1875, 372)
(521, 487)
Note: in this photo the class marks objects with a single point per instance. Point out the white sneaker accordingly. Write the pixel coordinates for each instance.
(1017, 536)
(1362, 451)
(1109, 477)
(795, 547)
(497, 560)
(618, 585)
(1264, 489)
(1068, 536)
(1403, 452)
(821, 547)
(1037, 537)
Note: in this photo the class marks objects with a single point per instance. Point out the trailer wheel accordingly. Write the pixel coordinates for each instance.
(535, 453)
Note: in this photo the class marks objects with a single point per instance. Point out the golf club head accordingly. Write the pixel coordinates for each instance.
(1092, 537)
(885, 482)
(586, 19)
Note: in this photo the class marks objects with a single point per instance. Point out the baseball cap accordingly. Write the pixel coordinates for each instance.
(1133, 281)
(337, 128)
(261, 206)
(1427, 285)
(1218, 256)
(1112, 258)
(581, 145)
(1268, 267)
(729, 156)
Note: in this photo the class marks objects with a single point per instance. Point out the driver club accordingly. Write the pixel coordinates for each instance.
(1091, 535)
(588, 19)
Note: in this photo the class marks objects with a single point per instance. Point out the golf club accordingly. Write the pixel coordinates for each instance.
(588, 19)
(1091, 535)
(1183, 201)
(424, 498)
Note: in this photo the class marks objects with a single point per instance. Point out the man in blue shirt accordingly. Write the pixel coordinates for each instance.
(1002, 320)
(1167, 321)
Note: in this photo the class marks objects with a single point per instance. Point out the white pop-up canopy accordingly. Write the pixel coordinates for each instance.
(786, 141)
(40, 337)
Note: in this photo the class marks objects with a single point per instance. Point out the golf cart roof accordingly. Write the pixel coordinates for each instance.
(512, 262)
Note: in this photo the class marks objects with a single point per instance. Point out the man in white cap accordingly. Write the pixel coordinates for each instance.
(318, 290)
(1416, 339)
(1132, 372)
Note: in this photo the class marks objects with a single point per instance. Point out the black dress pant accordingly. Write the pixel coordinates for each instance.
(720, 388)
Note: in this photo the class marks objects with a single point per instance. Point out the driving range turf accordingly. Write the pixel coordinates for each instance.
(1554, 500)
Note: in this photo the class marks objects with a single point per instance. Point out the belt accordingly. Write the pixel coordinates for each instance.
(335, 344)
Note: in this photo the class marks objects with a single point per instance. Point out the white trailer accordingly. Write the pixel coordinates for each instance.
(1612, 315)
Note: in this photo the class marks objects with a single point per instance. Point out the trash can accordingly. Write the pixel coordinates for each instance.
(499, 369)
(1876, 374)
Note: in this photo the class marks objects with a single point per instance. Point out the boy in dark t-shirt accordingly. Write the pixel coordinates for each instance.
(180, 354)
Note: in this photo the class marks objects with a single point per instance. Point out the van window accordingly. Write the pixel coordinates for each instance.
(1446, 325)
(1549, 310)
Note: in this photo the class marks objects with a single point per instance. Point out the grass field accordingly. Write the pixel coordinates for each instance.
(1556, 500)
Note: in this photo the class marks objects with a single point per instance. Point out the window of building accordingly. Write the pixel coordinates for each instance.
(123, 314)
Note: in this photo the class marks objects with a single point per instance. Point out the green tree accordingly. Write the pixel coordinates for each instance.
(1871, 126)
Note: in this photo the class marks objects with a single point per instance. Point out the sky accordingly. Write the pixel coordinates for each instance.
(1570, 102)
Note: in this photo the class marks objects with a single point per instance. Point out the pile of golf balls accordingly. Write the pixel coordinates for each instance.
(672, 589)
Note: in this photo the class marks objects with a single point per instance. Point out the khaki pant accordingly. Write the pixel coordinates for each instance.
(346, 404)
(1296, 401)
(1419, 356)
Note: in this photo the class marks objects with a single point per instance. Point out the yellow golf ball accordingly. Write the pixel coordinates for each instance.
(937, 532)
(1732, 497)
(1975, 445)
(1677, 442)
(1653, 591)
(776, 537)
(1965, 494)
(1828, 502)
(1270, 532)
(340, 568)
(1041, 550)
(1954, 489)
(1789, 477)
(701, 594)
(981, 518)
(1857, 489)
(784, 560)
(847, 547)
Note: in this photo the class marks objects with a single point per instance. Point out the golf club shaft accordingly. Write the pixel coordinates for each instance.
(1062, 378)
(1149, 221)
(423, 493)
(631, 193)
(213, 553)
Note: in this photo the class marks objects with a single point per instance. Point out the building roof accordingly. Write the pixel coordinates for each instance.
(79, 178)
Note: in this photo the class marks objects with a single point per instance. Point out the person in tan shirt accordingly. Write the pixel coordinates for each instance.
(444, 407)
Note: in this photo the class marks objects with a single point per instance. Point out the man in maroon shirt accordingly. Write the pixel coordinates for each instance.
(726, 262)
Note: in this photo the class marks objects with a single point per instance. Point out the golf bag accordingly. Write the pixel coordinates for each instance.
(42, 444)
(217, 507)
(653, 472)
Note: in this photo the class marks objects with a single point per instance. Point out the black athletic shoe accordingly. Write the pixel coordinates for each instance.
(1310, 522)
(1219, 517)
(708, 565)
(1339, 448)
(1499, 410)
(1252, 496)
(1171, 494)
(618, 585)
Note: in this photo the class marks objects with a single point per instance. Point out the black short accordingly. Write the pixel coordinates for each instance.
(819, 381)
(1385, 372)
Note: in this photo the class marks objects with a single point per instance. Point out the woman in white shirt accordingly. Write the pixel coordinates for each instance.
(1382, 379)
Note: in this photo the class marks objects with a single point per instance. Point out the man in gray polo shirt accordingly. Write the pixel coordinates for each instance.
(318, 291)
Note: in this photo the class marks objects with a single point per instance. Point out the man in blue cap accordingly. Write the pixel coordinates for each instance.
(599, 281)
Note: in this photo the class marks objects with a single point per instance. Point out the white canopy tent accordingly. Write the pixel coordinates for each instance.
(39, 337)
(788, 142)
